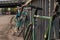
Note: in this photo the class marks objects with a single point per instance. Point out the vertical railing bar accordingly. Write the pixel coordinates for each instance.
(45, 14)
(54, 9)
(49, 22)
(49, 7)
(42, 11)
(42, 14)
(49, 32)
(33, 30)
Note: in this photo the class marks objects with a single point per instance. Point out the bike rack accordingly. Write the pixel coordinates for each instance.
(47, 32)
(49, 26)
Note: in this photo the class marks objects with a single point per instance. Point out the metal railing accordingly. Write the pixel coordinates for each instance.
(32, 29)
(47, 32)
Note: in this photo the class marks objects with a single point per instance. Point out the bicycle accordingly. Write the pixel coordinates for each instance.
(47, 32)
(18, 22)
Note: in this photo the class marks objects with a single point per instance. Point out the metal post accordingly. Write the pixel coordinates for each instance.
(49, 6)
(54, 27)
(45, 13)
(33, 30)
(49, 32)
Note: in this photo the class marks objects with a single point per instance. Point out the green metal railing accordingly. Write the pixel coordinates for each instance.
(47, 32)
(33, 35)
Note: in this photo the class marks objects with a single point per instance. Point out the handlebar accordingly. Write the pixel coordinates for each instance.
(33, 7)
(38, 8)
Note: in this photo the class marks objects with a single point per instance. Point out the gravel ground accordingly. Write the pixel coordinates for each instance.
(4, 25)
